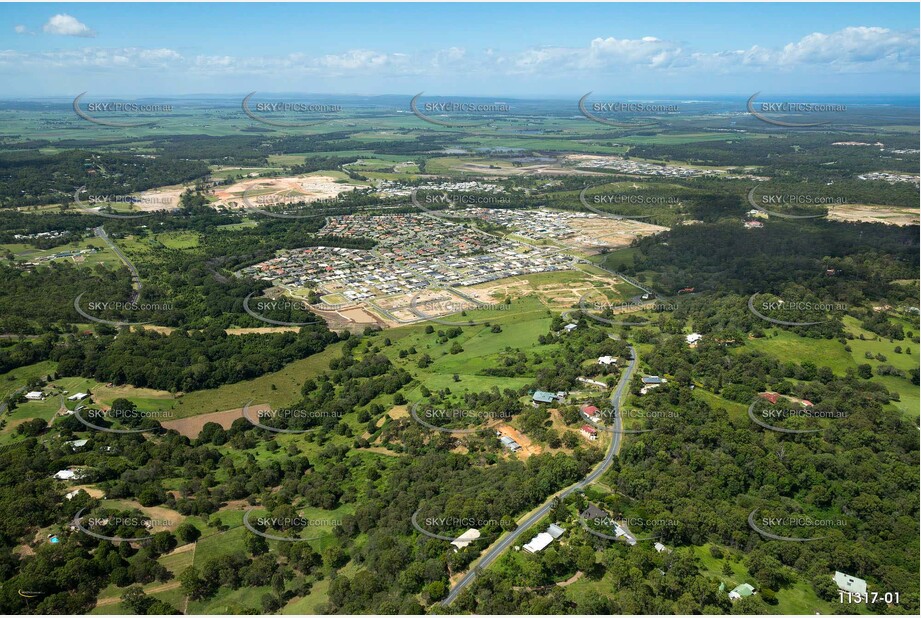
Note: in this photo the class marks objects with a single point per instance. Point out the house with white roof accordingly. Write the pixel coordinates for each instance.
(77, 444)
(465, 539)
(542, 540)
(850, 583)
(35, 396)
(538, 543)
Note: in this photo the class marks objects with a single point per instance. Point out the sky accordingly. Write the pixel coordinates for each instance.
(509, 49)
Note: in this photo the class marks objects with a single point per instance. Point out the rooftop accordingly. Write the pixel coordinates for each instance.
(466, 538)
(593, 512)
(849, 583)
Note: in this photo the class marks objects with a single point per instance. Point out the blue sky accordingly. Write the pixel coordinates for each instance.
(469, 49)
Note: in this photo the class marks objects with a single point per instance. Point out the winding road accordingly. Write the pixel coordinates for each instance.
(135, 277)
(506, 541)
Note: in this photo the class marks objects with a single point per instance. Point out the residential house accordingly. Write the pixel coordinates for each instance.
(465, 539)
(543, 539)
(651, 382)
(741, 591)
(849, 583)
(593, 512)
(538, 543)
(77, 444)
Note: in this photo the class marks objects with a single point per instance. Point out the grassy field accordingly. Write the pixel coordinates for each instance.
(687, 138)
(228, 601)
(278, 389)
(231, 172)
(617, 259)
(27, 253)
(145, 398)
(17, 378)
(310, 604)
(737, 411)
(520, 327)
(56, 393)
(44, 410)
(785, 345)
(245, 223)
(287, 383)
(179, 240)
(799, 598)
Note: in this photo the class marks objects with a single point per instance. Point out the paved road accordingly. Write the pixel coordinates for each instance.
(506, 541)
(135, 277)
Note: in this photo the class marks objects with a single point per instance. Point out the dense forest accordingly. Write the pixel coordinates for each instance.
(29, 179)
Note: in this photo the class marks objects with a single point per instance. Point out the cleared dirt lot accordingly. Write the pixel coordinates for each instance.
(164, 198)
(527, 448)
(556, 294)
(890, 215)
(192, 425)
(614, 233)
(263, 192)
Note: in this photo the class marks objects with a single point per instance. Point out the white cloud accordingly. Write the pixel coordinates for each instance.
(93, 58)
(850, 50)
(66, 25)
(20, 29)
(857, 45)
(357, 59)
